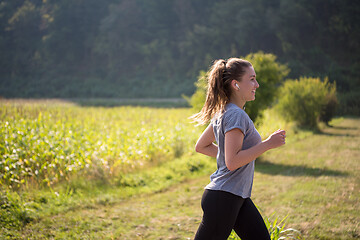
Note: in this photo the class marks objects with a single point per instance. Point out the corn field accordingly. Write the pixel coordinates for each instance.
(43, 142)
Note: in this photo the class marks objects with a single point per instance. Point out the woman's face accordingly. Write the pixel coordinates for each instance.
(248, 85)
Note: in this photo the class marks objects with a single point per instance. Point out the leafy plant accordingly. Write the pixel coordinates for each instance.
(43, 143)
(276, 230)
(15, 213)
(269, 74)
(306, 100)
(197, 100)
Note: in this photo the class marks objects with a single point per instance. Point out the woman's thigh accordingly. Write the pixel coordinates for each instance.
(249, 224)
(220, 214)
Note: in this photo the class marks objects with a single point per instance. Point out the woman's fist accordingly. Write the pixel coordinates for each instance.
(276, 139)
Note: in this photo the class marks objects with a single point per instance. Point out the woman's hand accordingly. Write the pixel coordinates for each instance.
(276, 139)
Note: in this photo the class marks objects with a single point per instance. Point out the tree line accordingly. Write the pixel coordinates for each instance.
(148, 48)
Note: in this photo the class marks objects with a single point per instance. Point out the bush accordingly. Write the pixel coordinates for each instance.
(269, 74)
(329, 109)
(197, 100)
(276, 230)
(14, 212)
(307, 100)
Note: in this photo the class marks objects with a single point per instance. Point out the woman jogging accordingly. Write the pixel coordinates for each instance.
(226, 200)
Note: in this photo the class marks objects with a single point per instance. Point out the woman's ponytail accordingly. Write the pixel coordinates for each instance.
(215, 96)
(218, 91)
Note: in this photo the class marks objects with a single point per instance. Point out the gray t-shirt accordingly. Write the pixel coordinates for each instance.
(239, 181)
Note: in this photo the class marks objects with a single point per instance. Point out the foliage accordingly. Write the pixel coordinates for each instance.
(269, 74)
(14, 211)
(69, 213)
(125, 48)
(329, 108)
(349, 103)
(305, 100)
(19, 209)
(43, 143)
(276, 230)
(197, 100)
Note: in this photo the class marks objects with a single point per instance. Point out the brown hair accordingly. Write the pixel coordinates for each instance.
(218, 94)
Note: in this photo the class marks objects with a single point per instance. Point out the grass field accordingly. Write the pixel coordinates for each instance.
(313, 179)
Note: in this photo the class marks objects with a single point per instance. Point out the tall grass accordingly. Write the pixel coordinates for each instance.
(276, 230)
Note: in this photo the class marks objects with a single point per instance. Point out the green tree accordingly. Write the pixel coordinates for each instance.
(72, 45)
(7, 10)
(319, 38)
(24, 28)
(69, 42)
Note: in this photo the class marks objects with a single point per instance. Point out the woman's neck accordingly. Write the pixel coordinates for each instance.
(239, 103)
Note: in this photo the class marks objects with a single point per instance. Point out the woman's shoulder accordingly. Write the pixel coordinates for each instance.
(235, 115)
(230, 113)
(234, 111)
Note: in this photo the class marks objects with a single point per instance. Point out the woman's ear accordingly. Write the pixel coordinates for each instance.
(235, 85)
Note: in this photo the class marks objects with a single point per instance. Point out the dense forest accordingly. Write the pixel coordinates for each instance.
(156, 48)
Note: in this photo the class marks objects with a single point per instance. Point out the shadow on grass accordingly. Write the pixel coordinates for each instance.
(337, 134)
(267, 167)
(343, 128)
(331, 134)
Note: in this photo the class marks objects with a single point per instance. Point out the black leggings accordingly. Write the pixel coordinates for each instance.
(225, 211)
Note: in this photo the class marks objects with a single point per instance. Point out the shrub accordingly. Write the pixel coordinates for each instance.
(197, 100)
(269, 74)
(306, 101)
(329, 108)
(14, 212)
(276, 230)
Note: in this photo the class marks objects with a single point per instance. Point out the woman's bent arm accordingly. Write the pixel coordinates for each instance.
(205, 143)
(236, 158)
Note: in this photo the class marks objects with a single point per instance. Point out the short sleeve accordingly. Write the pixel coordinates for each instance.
(235, 119)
